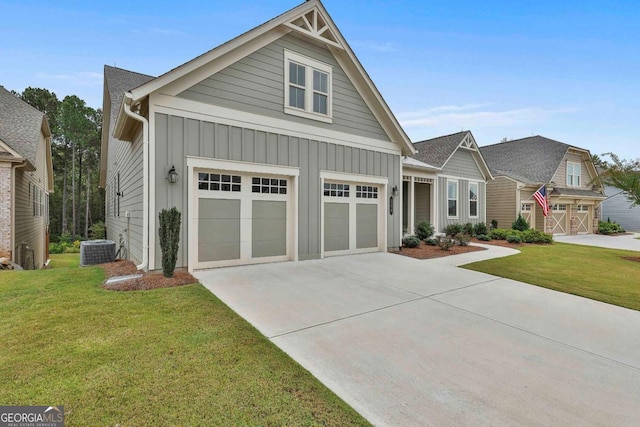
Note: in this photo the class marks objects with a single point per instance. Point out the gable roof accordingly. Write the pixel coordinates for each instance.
(309, 19)
(532, 160)
(117, 81)
(436, 152)
(20, 126)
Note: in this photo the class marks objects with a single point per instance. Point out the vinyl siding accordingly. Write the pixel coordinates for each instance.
(560, 177)
(256, 84)
(126, 159)
(463, 165)
(463, 203)
(423, 202)
(30, 230)
(178, 137)
(502, 204)
(617, 208)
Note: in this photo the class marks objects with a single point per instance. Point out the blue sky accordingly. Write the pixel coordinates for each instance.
(567, 70)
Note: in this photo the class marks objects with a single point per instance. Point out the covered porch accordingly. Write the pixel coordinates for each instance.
(419, 195)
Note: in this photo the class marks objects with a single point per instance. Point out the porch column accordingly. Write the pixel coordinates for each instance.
(5, 210)
(435, 205)
(412, 206)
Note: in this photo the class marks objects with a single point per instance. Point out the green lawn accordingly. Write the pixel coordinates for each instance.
(173, 356)
(596, 273)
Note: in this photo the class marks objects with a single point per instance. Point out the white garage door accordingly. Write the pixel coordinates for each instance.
(242, 218)
(353, 217)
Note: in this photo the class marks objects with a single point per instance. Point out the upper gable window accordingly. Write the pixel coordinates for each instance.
(307, 87)
(573, 174)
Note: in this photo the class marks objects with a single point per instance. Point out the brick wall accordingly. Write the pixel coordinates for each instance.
(5, 211)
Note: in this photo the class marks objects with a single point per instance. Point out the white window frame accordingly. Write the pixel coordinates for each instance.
(477, 201)
(310, 65)
(571, 177)
(457, 199)
(526, 207)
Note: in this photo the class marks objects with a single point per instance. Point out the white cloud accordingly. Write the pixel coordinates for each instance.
(476, 116)
(82, 78)
(167, 31)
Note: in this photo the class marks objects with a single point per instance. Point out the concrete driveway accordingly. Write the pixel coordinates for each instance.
(410, 342)
(625, 241)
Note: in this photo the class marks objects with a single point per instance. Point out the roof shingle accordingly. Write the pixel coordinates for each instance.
(436, 151)
(20, 125)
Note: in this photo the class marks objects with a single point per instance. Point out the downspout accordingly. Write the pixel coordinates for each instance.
(145, 178)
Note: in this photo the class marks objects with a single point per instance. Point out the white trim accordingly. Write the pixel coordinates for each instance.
(574, 164)
(213, 113)
(310, 65)
(352, 177)
(237, 166)
(477, 184)
(457, 215)
(152, 192)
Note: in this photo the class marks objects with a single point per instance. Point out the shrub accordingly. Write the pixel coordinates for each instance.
(98, 230)
(431, 241)
(494, 223)
(411, 242)
(169, 233)
(65, 238)
(445, 243)
(468, 229)
(609, 227)
(536, 236)
(453, 229)
(463, 239)
(520, 224)
(56, 248)
(514, 238)
(499, 233)
(483, 237)
(479, 229)
(424, 230)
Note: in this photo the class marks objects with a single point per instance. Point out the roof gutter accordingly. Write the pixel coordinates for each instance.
(126, 104)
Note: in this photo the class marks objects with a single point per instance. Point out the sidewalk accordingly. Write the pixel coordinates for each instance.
(626, 241)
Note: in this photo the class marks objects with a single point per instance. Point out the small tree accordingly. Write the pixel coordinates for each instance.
(520, 224)
(424, 230)
(169, 233)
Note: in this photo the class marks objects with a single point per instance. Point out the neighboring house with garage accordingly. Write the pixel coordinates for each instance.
(26, 180)
(522, 166)
(618, 208)
(275, 145)
(444, 183)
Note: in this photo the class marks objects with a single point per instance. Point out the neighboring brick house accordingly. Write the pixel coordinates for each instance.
(521, 166)
(26, 180)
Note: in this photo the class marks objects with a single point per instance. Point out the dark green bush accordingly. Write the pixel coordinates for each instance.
(98, 230)
(411, 242)
(453, 229)
(536, 236)
(480, 228)
(431, 241)
(56, 248)
(463, 239)
(483, 237)
(609, 227)
(424, 230)
(468, 229)
(514, 238)
(445, 243)
(169, 233)
(499, 233)
(520, 224)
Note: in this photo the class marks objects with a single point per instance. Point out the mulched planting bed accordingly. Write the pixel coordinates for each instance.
(146, 282)
(502, 243)
(632, 258)
(427, 252)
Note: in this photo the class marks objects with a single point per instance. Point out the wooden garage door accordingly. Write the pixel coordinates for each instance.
(560, 218)
(352, 219)
(242, 218)
(583, 215)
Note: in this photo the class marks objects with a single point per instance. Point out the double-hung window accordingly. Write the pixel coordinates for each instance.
(307, 87)
(473, 199)
(573, 174)
(452, 199)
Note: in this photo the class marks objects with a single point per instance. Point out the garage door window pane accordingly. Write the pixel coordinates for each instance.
(366, 192)
(214, 182)
(332, 189)
(268, 185)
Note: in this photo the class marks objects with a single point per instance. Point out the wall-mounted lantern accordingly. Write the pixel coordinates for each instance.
(172, 175)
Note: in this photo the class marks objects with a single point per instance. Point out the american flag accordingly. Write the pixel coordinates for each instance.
(541, 198)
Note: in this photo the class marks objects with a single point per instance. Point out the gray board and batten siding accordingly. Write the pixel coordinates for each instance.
(178, 137)
(256, 84)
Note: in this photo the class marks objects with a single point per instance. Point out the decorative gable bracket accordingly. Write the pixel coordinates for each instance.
(469, 143)
(313, 24)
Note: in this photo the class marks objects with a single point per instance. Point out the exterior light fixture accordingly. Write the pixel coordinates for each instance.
(394, 190)
(172, 175)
